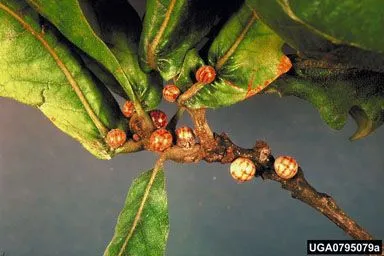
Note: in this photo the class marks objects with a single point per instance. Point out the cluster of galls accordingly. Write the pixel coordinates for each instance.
(243, 169)
(160, 139)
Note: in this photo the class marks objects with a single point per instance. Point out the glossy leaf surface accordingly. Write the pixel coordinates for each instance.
(186, 77)
(120, 28)
(170, 29)
(348, 31)
(37, 68)
(247, 57)
(142, 227)
(73, 24)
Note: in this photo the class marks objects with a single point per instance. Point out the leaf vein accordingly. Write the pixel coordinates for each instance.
(151, 58)
(140, 210)
(51, 50)
(220, 63)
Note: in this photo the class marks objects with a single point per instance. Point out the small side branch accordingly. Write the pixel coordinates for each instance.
(190, 92)
(183, 155)
(202, 129)
(130, 146)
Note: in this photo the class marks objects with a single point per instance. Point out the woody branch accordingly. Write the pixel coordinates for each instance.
(219, 148)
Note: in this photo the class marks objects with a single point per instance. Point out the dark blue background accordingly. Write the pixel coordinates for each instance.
(57, 199)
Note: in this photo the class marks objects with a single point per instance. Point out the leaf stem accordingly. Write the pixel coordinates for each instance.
(147, 121)
(190, 92)
(130, 147)
(202, 129)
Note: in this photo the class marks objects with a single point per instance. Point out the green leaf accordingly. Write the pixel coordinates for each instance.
(247, 57)
(70, 20)
(37, 68)
(142, 227)
(103, 75)
(170, 29)
(191, 64)
(347, 30)
(360, 94)
(122, 36)
(358, 24)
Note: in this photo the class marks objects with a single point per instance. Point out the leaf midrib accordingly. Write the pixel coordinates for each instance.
(116, 69)
(151, 58)
(140, 210)
(221, 62)
(285, 5)
(97, 122)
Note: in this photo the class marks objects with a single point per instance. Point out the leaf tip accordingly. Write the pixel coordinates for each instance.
(284, 65)
(365, 126)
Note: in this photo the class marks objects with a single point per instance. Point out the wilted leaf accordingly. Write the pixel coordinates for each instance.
(247, 57)
(348, 31)
(69, 18)
(142, 227)
(38, 69)
(170, 29)
(360, 94)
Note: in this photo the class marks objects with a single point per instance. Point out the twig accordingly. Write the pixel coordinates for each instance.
(202, 129)
(184, 155)
(300, 189)
(190, 92)
(219, 148)
(130, 146)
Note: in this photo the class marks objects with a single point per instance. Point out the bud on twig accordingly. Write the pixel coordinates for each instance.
(262, 151)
